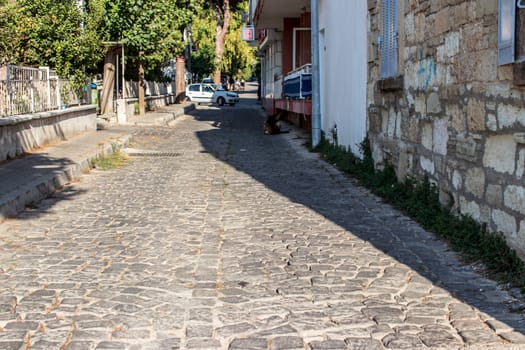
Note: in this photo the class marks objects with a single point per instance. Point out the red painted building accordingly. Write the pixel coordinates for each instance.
(285, 51)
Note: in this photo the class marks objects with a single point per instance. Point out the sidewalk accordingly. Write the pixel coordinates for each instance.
(32, 178)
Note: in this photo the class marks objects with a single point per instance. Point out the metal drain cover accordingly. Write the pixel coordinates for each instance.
(148, 153)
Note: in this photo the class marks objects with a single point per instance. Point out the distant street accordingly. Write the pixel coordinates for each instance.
(216, 236)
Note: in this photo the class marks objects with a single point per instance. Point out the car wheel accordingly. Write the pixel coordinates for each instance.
(221, 101)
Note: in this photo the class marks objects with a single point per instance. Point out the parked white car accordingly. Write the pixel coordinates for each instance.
(205, 93)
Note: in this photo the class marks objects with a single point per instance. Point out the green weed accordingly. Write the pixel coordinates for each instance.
(114, 160)
(420, 201)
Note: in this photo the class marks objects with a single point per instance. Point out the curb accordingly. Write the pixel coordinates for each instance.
(166, 117)
(40, 189)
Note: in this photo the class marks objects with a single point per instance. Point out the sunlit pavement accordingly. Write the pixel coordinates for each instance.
(216, 236)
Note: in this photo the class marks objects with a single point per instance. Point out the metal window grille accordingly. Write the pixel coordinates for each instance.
(389, 44)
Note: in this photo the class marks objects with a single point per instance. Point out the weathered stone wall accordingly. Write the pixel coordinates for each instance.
(454, 114)
(25, 133)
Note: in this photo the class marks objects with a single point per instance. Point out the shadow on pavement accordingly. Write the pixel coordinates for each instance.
(301, 177)
(40, 176)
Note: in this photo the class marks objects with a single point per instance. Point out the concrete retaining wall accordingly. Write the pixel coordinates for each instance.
(24, 133)
(152, 102)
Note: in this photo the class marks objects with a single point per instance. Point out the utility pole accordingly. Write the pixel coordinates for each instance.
(316, 91)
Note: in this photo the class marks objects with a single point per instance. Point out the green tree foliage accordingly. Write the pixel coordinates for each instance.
(10, 34)
(203, 36)
(154, 27)
(223, 10)
(237, 58)
(69, 39)
(53, 33)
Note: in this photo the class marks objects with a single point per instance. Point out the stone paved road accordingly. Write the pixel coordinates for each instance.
(219, 237)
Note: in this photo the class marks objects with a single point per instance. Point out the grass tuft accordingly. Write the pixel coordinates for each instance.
(112, 161)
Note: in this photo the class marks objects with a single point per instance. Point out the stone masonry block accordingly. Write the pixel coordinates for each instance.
(420, 21)
(442, 21)
(504, 222)
(487, 8)
(520, 167)
(476, 115)
(514, 198)
(411, 129)
(457, 117)
(500, 153)
(466, 148)
(426, 136)
(440, 136)
(452, 44)
(521, 232)
(492, 122)
(494, 195)
(487, 68)
(427, 165)
(475, 181)
(508, 115)
(420, 104)
(469, 208)
(374, 120)
(434, 103)
(460, 13)
(457, 180)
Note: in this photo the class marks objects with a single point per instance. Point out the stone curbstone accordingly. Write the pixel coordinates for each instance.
(46, 185)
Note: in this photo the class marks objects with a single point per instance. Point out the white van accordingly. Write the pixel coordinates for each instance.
(205, 93)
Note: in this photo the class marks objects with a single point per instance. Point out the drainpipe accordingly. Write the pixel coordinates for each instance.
(316, 100)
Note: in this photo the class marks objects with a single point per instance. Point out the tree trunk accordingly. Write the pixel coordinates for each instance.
(142, 87)
(180, 80)
(106, 103)
(220, 38)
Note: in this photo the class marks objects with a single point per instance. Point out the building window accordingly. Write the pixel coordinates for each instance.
(506, 31)
(389, 39)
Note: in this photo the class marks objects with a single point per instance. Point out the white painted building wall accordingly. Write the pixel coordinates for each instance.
(272, 66)
(343, 62)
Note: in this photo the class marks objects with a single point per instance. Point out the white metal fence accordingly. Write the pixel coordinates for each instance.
(151, 88)
(25, 90)
(30, 90)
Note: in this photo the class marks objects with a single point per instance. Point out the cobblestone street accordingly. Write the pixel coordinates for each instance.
(216, 236)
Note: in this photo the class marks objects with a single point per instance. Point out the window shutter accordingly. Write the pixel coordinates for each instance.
(389, 40)
(506, 31)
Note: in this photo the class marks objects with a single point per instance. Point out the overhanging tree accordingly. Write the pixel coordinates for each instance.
(152, 32)
(10, 33)
(203, 38)
(237, 56)
(53, 33)
(223, 14)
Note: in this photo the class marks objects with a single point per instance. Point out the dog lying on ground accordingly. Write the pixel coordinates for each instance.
(272, 124)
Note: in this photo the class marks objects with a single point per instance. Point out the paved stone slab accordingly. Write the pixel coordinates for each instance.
(220, 237)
